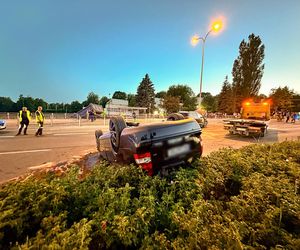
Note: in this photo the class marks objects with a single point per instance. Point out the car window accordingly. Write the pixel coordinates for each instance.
(194, 115)
(184, 114)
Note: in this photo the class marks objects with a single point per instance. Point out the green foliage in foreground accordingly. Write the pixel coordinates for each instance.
(246, 198)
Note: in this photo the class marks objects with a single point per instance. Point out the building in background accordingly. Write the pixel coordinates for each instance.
(158, 106)
(120, 107)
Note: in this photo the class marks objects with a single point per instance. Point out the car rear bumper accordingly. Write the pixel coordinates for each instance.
(169, 153)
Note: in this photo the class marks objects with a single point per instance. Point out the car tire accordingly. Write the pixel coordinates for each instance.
(98, 133)
(116, 126)
(262, 133)
(175, 117)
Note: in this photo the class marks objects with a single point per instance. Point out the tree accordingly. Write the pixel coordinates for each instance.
(262, 96)
(91, 98)
(161, 94)
(40, 102)
(281, 98)
(131, 100)
(120, 95)
(296, 103)
(185, 94)
(57, 107)
(209, 102)
(67, 108)
(248, 69)
(145, 94)
(171, 104)
(225, 100)
(103, 101)
(26, 102)
(75, 106)
(6, 104)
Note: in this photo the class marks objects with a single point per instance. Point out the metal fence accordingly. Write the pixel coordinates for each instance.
(69, 119)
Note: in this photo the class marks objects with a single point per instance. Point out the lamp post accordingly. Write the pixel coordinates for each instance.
(216, 26)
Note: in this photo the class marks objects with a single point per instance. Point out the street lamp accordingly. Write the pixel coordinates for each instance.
(216, 26)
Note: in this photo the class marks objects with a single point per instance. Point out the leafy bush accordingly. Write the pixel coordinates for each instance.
(247, 198)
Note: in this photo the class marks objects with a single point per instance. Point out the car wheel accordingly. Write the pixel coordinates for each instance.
(116, 126)
(98, 133)
(175, 117)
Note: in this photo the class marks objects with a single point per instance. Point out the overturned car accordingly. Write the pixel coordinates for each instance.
(156, 147)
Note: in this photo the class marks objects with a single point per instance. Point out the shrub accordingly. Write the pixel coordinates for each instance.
(246, 198)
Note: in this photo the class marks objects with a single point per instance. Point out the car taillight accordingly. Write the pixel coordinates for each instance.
(144, 161)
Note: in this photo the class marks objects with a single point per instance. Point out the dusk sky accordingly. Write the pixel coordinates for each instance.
(62, 50)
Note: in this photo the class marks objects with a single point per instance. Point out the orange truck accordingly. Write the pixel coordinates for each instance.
(254, 119)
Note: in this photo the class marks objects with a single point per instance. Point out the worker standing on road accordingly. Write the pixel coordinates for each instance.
(24, 119)
(294, 117)
(288, 115)
(40, 118)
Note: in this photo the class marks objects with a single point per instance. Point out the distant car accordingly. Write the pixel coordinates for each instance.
(156, 147)
(2, 124)
(190, 114)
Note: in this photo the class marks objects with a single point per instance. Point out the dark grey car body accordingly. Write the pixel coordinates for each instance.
(170, 143)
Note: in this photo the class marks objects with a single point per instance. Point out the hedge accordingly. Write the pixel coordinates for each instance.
(232, 199)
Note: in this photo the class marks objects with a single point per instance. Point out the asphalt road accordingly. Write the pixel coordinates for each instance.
(61, 142)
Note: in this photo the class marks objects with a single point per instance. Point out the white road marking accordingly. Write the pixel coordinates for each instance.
(25, 151)
(71, 134)
(7, 136)
(284, 129)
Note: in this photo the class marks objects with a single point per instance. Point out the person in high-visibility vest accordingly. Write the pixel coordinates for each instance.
(24, 119)
(40, 118)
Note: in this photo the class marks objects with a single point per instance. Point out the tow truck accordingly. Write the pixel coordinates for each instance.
(254, 120)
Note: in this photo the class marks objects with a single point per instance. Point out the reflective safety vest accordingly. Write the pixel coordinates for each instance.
(39, 116)
(27, 114)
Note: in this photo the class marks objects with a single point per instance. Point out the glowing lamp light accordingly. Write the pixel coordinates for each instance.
(194, 40)
(216, 26)
(247, 103)
(265, 103)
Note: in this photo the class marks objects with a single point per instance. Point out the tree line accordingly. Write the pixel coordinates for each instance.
(145, 97)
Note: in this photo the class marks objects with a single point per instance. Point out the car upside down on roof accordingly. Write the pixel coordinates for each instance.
(155, 147)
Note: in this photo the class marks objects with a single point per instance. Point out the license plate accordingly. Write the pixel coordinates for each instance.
(175, 141)
(179, 150)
